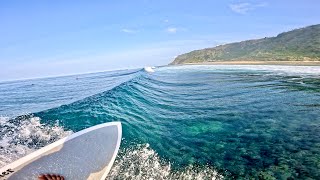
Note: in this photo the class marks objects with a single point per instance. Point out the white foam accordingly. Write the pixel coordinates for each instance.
(20, 137)
(142, 162)
(149, 69)
(282, 69)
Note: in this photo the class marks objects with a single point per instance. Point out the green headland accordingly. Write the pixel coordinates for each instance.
(299, 46)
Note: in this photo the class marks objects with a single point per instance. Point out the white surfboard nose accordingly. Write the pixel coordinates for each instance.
(87, 154)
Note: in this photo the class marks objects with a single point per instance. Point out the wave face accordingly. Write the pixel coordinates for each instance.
(28, 96)
(206, 121)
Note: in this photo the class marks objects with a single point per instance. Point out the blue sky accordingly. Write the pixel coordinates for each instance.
(52, 38)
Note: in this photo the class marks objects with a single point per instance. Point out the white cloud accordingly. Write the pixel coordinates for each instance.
(130, 31)
(166, 20)
(245, 7)
(172, 30)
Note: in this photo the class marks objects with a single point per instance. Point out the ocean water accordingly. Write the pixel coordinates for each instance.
(179, 122)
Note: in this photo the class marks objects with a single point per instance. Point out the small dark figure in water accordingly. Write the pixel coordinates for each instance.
(50, 177)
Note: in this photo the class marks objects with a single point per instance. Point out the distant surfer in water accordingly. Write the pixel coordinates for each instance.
(50, 177)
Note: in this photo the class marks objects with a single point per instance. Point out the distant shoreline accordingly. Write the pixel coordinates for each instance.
(290, 63)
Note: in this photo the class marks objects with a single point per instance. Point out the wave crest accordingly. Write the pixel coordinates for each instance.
(149, 69)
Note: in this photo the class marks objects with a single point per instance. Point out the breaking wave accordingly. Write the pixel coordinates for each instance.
(149, 69)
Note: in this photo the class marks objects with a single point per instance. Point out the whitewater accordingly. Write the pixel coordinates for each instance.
(179, 122)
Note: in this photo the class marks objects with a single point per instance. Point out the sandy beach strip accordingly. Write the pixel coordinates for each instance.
(287, 63)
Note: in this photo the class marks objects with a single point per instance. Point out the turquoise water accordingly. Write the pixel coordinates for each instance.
(237, 121)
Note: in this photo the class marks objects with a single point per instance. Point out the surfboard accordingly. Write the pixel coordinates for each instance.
(87, 154)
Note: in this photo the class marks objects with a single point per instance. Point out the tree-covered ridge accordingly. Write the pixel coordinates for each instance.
(297, 45)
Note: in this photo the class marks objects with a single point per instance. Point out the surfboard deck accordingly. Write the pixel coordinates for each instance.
(87, 154)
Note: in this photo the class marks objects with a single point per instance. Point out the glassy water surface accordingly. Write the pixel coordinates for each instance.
(178, 122)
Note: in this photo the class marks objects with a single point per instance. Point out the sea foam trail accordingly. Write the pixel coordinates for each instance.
(278, 69)
(24, 134)
(142, 162)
